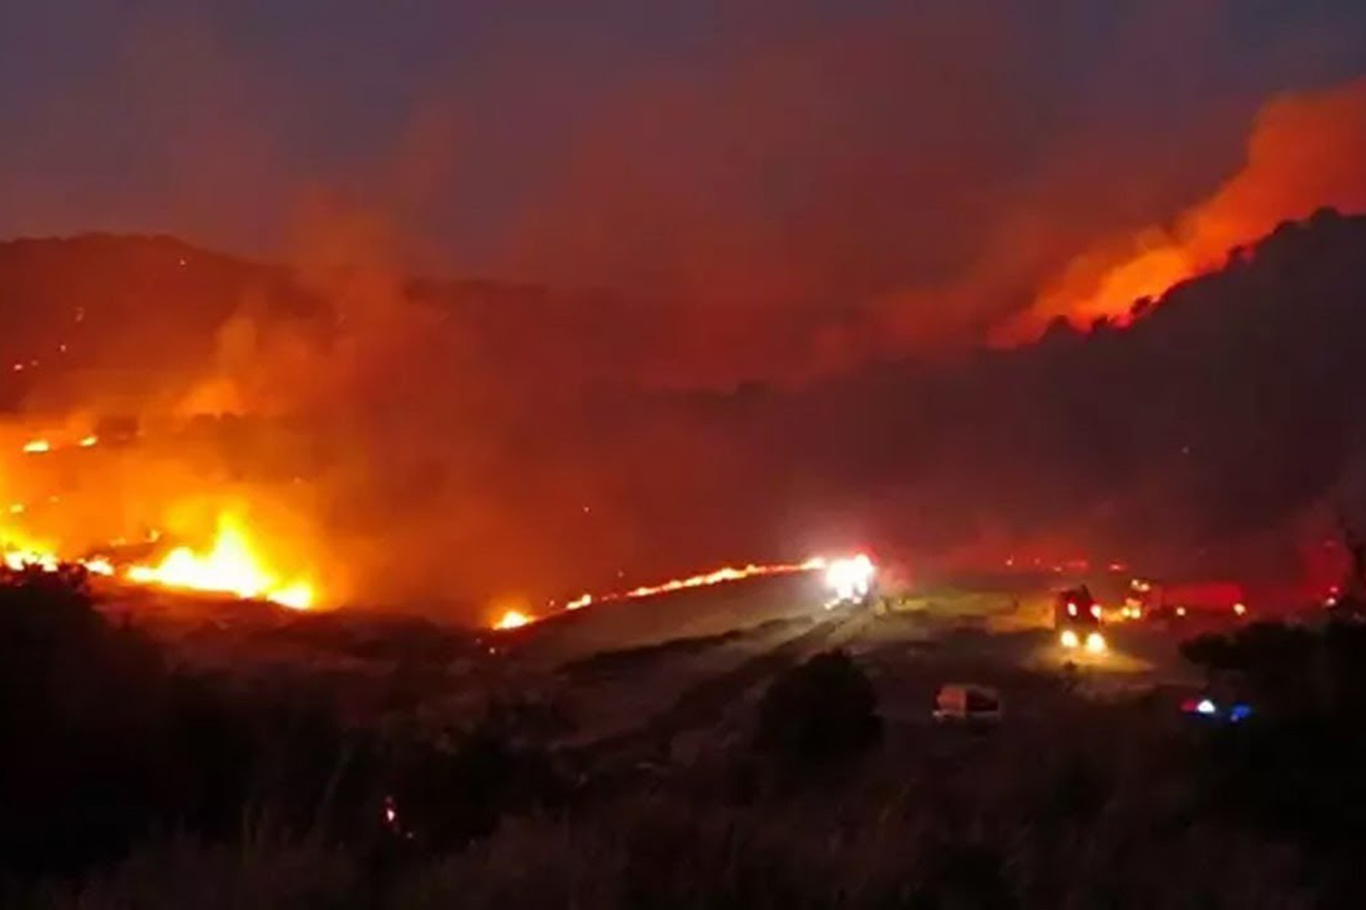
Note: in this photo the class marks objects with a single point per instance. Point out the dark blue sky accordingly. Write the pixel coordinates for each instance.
(647, 144)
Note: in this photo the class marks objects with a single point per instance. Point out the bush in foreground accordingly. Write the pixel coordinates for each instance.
(819, 713)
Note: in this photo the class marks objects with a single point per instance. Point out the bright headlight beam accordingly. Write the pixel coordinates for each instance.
(851, 578)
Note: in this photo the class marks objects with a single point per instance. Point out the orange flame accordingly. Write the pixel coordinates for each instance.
(41, 445)
(18, 558)
(1304, 152)
(231, 566)
(719, 576)
(514, 619)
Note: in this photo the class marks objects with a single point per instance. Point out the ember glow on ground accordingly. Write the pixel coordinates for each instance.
(844, 576)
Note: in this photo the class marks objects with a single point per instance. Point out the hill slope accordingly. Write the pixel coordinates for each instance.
(474, 434)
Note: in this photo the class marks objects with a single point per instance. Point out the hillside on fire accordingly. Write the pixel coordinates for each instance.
(416, 442)
(634, 455)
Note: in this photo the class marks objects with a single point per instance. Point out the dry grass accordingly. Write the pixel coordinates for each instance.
(1049, 834)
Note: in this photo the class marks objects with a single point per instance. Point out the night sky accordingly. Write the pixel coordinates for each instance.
(757, 155)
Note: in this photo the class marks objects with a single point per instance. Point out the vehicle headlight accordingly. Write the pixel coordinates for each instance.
(1069, 639)
(1095, 642)
(850, 579)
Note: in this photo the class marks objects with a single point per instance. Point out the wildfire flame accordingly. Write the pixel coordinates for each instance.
(1304, 152)
(231, 566)
(18, 559)
(514, 619)
(99, 566)
(41, 445)
(720, 576)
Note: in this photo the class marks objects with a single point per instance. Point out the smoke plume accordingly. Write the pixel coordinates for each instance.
(1304, 152)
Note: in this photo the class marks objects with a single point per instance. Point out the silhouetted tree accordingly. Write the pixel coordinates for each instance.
(1274, 662)
(103, 745)
(78, 701)
(822, 711)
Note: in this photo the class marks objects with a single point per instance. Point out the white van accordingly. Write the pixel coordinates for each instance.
(967, 702)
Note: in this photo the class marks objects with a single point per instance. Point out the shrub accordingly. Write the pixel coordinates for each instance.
(78, 700)
(105, 746)
(820, 712)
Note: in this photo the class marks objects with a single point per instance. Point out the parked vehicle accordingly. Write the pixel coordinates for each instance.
(968, 702)
(1216, 711)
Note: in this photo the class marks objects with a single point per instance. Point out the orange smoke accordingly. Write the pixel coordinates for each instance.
(1304, 153)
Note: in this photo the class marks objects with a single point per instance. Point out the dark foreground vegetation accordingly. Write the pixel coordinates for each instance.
(126, 783)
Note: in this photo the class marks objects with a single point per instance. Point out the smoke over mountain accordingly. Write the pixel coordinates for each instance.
(757, 256)
(449, 444)
(1305, 151)
(771, 190)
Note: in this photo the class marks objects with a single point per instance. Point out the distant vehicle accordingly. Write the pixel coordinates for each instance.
(967, 702)
(851, 581)
(1215, 710)
(1077, 617)
(1218, 601)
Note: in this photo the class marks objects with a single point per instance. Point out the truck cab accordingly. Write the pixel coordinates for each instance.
(1077, 619)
